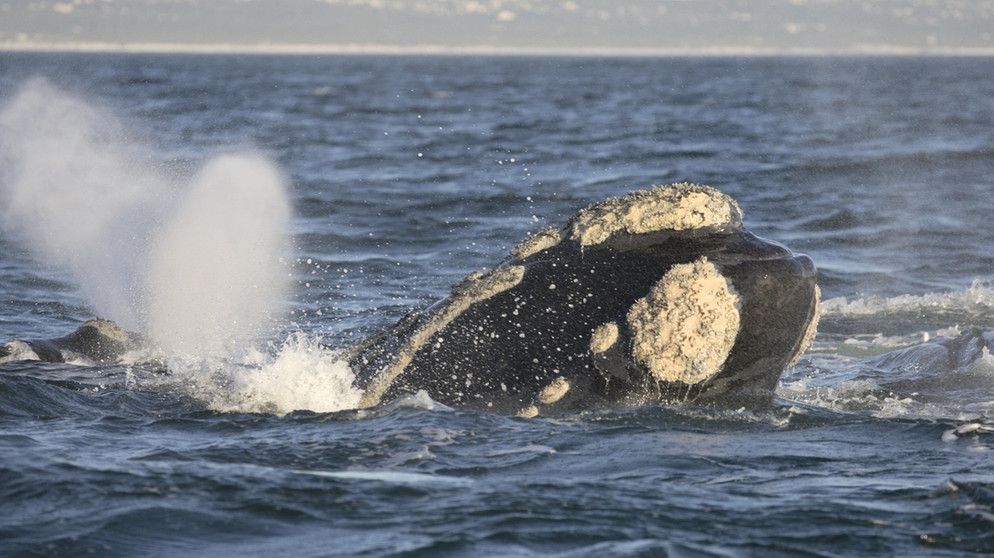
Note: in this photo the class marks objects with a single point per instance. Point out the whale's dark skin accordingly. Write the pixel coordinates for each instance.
(519, 340)
(660, 296)
(99, 341)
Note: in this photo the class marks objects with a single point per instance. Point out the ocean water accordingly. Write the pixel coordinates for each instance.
(315, 200)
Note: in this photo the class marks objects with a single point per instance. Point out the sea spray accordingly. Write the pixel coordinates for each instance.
(200, 266)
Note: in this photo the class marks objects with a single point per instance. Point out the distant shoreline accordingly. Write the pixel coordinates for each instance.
(480, 50)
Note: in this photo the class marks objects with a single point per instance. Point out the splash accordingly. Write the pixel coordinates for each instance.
(301, 375)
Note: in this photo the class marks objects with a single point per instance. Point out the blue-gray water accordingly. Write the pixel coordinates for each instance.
(405, 174)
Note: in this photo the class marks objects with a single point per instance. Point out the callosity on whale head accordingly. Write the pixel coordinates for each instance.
(657, 296)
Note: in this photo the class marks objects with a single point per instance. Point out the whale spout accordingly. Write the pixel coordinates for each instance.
(657, 296)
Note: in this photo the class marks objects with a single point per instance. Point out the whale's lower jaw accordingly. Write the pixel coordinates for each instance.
(601, 316)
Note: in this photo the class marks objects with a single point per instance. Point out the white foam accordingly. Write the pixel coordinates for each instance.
(863, 396)
(843, 395)
(302, 375)
(876, 324)
(913, 390)
(17, 350)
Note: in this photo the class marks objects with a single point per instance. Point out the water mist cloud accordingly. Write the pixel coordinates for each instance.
(198, 266)
(73, 195)
(215, 276)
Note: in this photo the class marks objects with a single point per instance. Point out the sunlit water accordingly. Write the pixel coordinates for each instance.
(405, 174)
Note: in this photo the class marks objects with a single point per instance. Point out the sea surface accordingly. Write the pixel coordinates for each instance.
(394, 177)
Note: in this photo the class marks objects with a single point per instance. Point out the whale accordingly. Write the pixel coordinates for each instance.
(660, 295)
(657, 296)
(96, 341)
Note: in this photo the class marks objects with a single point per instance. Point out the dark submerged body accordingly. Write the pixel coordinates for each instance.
(100, 341)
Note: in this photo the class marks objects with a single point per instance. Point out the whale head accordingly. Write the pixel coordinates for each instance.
(657, 296)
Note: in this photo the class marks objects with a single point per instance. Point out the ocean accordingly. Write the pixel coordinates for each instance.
(386, 179)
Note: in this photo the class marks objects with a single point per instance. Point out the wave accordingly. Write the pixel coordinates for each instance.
(977, 299)
(853, 385)
(885, 323)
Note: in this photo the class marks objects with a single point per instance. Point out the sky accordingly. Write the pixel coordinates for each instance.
(568, 26)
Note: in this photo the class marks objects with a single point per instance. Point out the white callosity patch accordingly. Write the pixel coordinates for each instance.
(684, 329)
(677, 207)
(528, 412)
(110, 330)
(604, 337)
(555, 391)
(542, 240)
(474, 288)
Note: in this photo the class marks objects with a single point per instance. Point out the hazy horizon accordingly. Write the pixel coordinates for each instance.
(509, 26)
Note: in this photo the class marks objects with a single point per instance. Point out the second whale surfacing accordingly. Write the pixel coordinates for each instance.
(658, 296)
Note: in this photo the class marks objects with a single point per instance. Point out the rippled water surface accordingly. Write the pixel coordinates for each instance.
(405, 174)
